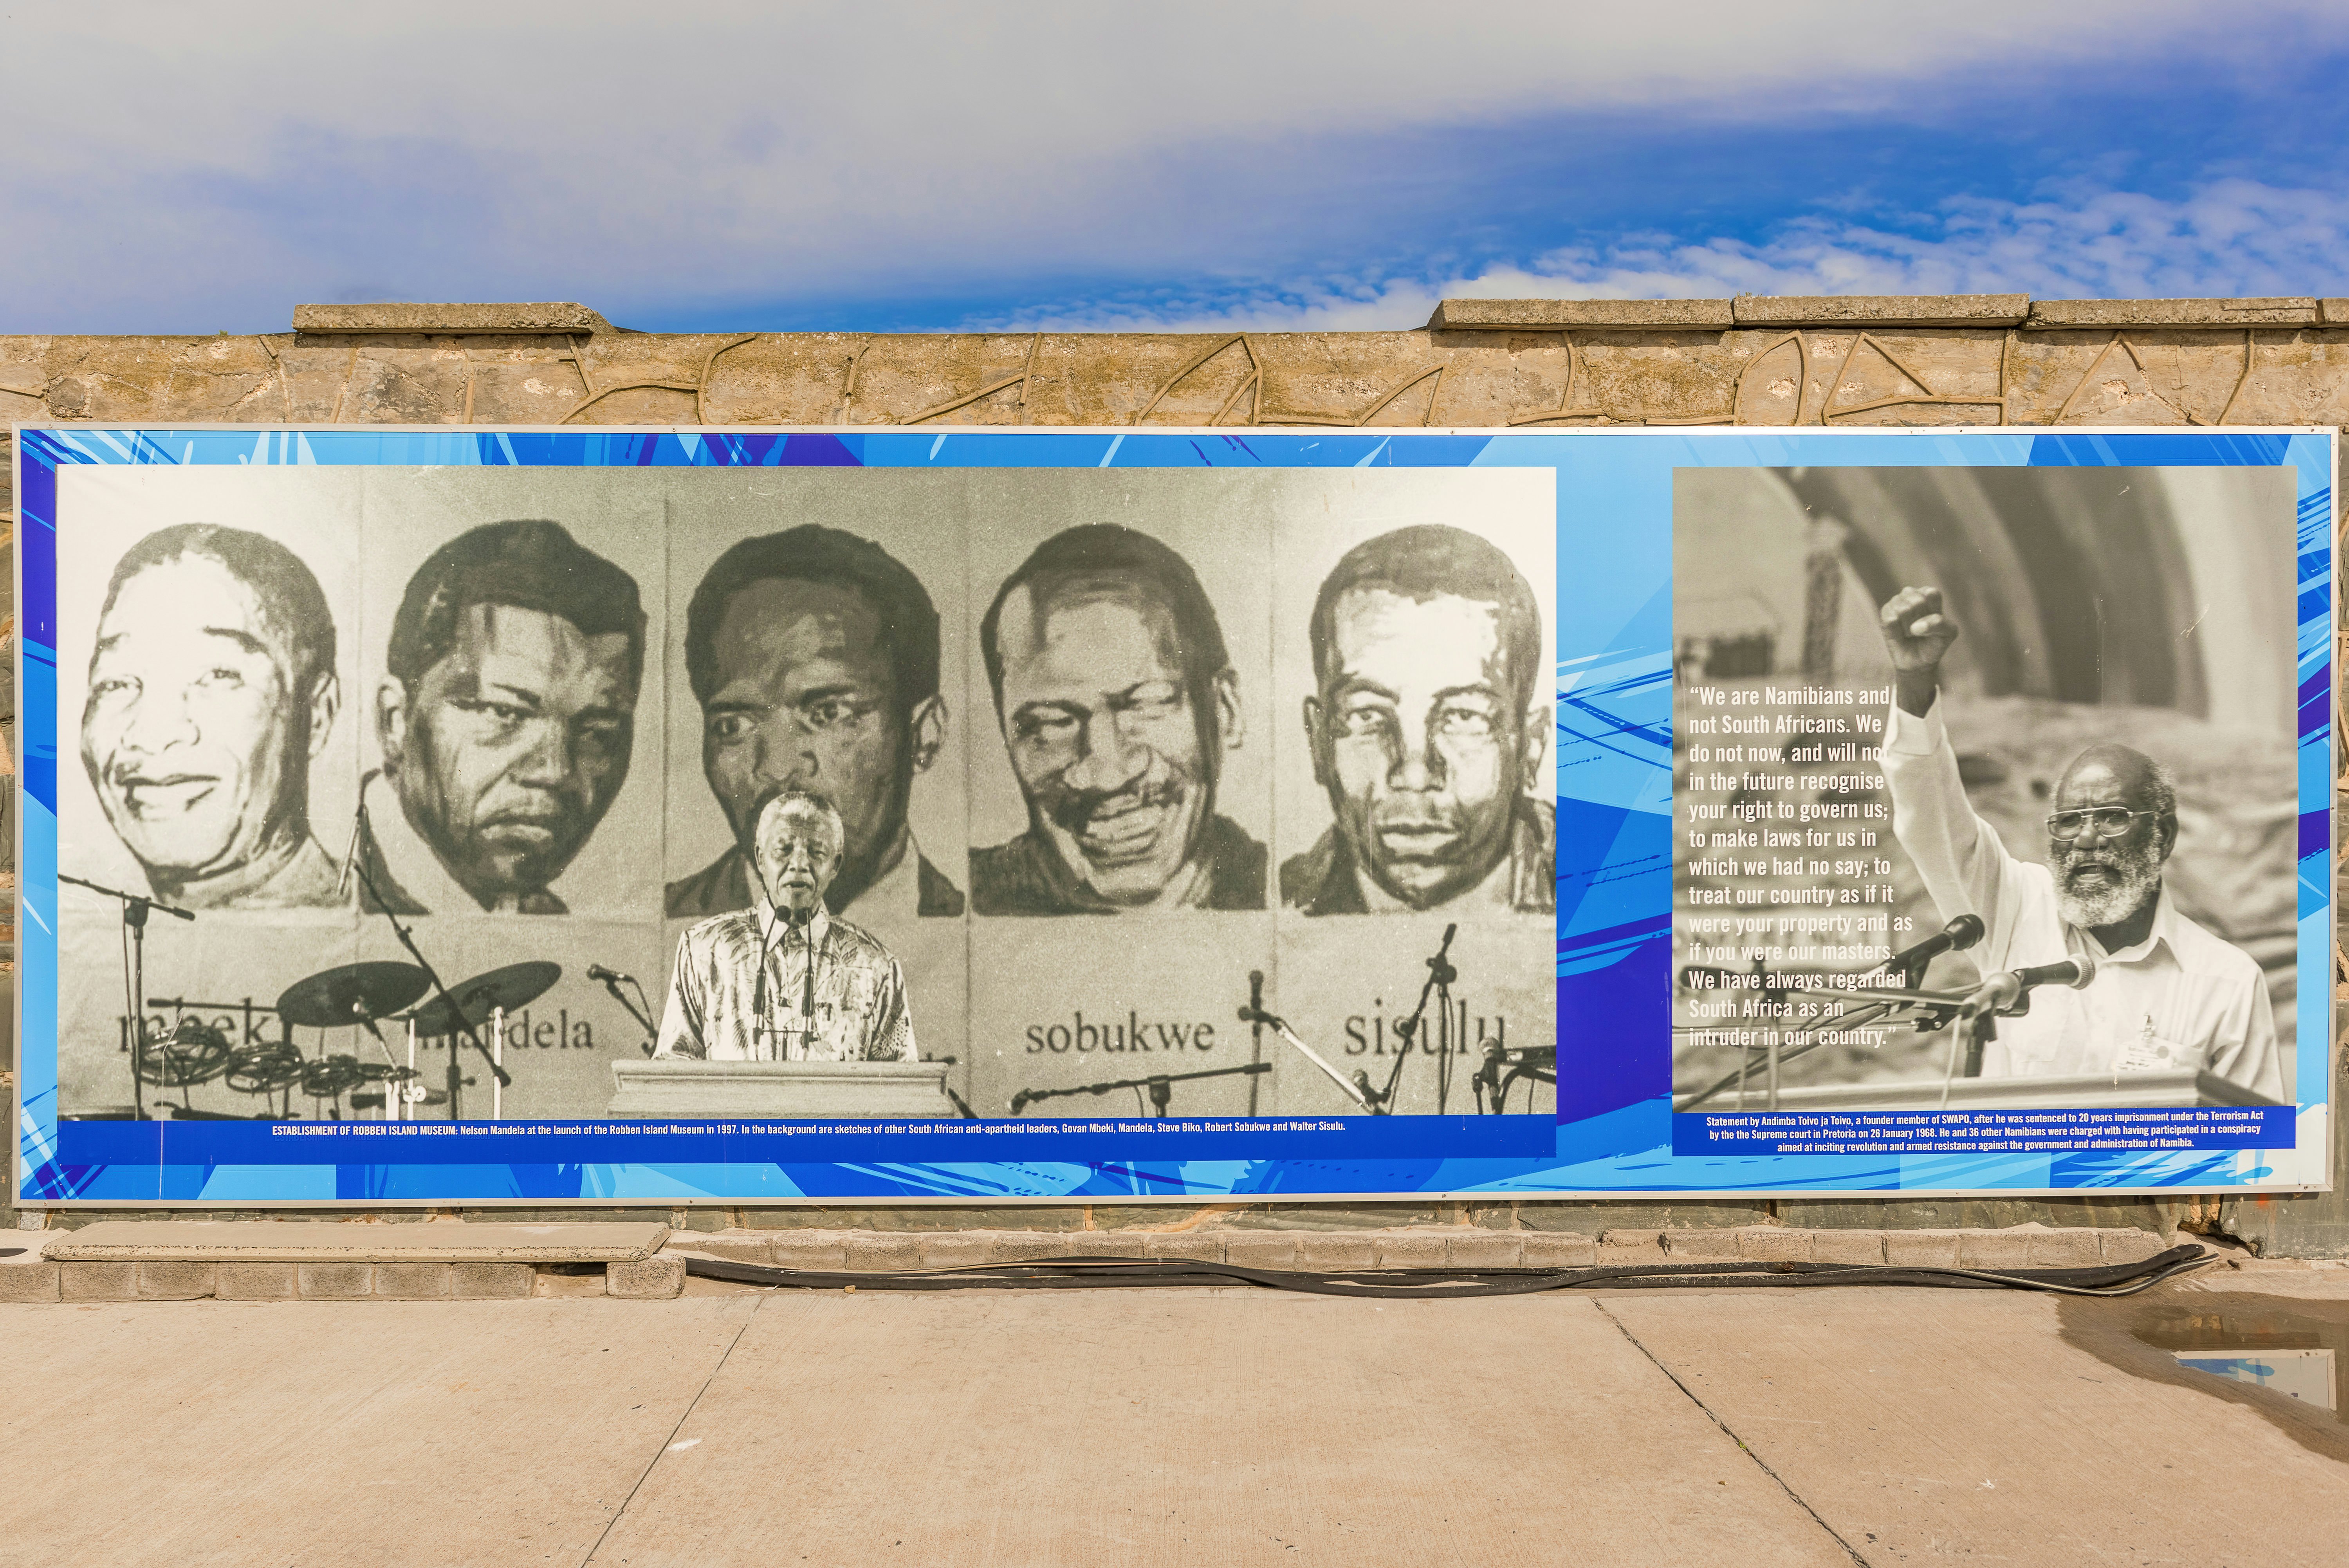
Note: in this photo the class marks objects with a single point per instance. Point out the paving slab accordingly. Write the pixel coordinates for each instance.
(1922, 1425)
(257, 1435)
(1011, 1428)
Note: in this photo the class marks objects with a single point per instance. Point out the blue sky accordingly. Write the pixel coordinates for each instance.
(879, 167)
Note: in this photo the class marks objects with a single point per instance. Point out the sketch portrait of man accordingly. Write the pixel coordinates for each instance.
(1428, 729)
(1117, 702)
(505, 720)
(211, 688)
(815, 657)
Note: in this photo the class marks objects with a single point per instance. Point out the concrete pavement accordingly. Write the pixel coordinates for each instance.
(1169, 1427)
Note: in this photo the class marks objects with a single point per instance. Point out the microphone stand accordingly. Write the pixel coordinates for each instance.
(1160, 1086)
(456, 1014)
(1440, 976)
(135, 906)
(641, 1014)
(1356, 1088)
(1256, 1029)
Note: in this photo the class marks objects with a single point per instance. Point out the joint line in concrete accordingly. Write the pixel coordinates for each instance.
(1792, 1496)
(683, 1416)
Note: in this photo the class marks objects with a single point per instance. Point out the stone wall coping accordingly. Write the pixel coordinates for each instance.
(324, 1242)
(2094, 314)
(444, 319)
(1883, 310)
(1550, 314)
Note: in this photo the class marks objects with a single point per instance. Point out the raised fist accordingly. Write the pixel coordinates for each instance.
(1916, 633)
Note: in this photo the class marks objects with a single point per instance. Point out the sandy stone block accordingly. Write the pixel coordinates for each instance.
(175, 1281)
(1921, 1248)
(1408, 1252)
(959, 1250)
(1332, 1251)
(1031, 1246)
(1619, 1238)
(1106, 1244)
(1205, 1246)
(881, 1252)
(1846, 1246)
(1261, 1250)
(489, 1281)
(97, 1282)
(1775, 1244)
(2119, 1246)
(558, 1282)
(811, 1250)
(334, 1282)
(2075, 1246)
(1994, 1250)
(1560, 1250)
(654, 1279)
(1632, 1258)
(34, 1280)
(744, 1247)
(1492, 1250)
(254, 1282)
(412, 1282)
(1700, 1246)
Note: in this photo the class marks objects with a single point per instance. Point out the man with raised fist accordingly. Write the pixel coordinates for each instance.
(2167, 993)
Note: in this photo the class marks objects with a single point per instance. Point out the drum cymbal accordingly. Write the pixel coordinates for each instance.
(517, 985)
(354, 993)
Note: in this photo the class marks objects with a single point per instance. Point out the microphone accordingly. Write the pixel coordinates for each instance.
(597, 972)
(1254, 1012)
(1956, 937)
(2004, 989)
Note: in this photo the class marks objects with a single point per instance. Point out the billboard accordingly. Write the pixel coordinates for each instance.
(1323, 812)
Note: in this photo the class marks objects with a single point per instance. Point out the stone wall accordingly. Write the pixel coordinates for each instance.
(1998, 359)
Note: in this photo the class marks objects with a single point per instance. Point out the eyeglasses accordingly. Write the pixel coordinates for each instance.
(2110, 821)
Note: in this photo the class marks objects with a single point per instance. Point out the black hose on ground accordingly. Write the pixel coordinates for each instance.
(1445, 1284)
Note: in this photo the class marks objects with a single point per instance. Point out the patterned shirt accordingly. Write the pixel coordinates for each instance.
(746, 987)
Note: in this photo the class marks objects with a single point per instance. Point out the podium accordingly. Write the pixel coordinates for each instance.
(684, 1089)
(2090, 1090)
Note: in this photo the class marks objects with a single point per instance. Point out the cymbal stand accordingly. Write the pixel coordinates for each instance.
(135, 906)
(456, 1014)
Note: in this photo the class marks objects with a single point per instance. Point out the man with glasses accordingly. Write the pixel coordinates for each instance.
(2167, 993)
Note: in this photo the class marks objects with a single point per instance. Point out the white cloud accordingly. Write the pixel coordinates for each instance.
(2228, 238)
(232, 159)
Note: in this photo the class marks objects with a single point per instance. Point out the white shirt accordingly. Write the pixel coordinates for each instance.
(746, 988)
(2181, 997)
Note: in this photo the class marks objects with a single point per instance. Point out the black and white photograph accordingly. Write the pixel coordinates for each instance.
(1415, 637)
(1985, 787)
(1071, 765)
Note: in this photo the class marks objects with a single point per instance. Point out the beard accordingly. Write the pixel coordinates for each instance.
(2132, 879)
